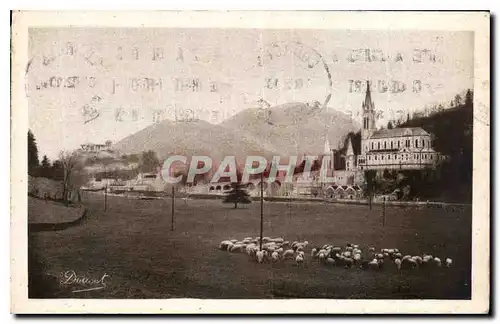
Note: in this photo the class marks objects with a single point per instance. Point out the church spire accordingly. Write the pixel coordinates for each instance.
(327, 146)
(368, 103)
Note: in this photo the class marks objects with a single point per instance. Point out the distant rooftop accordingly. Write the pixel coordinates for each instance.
(399, 132)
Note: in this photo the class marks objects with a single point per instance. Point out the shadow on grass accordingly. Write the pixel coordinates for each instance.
(40, 284)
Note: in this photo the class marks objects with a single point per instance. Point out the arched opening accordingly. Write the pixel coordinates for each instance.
(218, 188)
(227, 187)
(330, 192)
(211, 189)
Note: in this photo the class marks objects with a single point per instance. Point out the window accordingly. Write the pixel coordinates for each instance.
(399, 143)
(391, 145)
(369, 158)
(379, 145)
(423, 143)
(395, 156)
(372, 146)
(416, 143)
(382, 157)
(375, 157)
(385, 144)
(388, 156)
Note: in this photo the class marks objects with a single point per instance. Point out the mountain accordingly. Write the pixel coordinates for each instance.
(293, 128)
(191, 138)
(290, 129)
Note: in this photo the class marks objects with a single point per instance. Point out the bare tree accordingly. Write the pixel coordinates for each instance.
(70, 162)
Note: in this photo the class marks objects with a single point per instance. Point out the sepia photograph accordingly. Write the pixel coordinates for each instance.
(251, 157)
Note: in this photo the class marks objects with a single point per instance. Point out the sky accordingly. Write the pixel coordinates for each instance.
(98, 84)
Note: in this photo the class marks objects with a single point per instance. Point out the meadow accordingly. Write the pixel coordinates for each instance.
(132, 242)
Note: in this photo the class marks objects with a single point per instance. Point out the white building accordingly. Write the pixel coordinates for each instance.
(398, 148)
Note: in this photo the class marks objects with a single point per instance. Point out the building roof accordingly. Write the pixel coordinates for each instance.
(399, 132)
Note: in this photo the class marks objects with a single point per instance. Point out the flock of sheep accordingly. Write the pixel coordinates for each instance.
(277, 249)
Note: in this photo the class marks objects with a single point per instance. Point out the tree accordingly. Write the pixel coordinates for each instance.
(451, 104)
(45, 162)
(33, 162)
(237, 195)
(408, 117)
(149, 161)
(45, 170)
(389, 125)
(469, 98)
(70, 163)
(458, 100)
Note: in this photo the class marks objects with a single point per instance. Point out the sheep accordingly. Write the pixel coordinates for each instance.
(371, 249)
(236, 248)
(357, 257)
(448, 262)
(355, 246)
(321, 257)
(348, 262)
(275, 256)
(278, 240)
(300, 248)
(409, 263)
(314, 252)
(437, 261)
(337, 249)
(427, 258)
(223, 245)
(251, 249)
(286, 243)
(248, 238)
(246, 241)
(398, 263)
(364, 264)
(266, 239)
(279, 250)
(299, 259)
(260, 256)
(288, 254)
(380, 256)
(233, 241)
(347, 254)
(398, 255)
(330, 262)
(418, 259)
(373, 264)
(229, 246)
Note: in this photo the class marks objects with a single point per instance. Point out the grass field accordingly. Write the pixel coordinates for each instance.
(133, 244)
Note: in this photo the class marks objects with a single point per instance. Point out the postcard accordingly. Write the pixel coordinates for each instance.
(250, 162)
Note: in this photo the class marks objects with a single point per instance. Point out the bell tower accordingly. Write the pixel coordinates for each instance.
(368, 108)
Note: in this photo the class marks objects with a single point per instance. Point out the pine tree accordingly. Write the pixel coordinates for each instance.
(237, 195)
(45, 162)
(45, 167)
(469, 98)
(33, 162)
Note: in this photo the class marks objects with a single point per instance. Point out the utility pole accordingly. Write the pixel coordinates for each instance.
(261, 208)
(105, 196)
(173, 208)
(383, 213)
